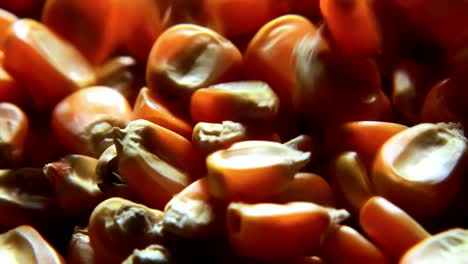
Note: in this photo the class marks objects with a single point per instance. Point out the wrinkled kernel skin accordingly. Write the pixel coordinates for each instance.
(198, 58)
(79, 250)
(153, 159)
(419, 196)
(117, 226)
(194, 214)
(27, 198)
(247, 102)
(443, 246)
(152, 254)
(75, 183)
(108, 178)
(14, 132)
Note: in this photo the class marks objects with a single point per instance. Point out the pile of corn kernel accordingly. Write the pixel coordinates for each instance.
(233, 131)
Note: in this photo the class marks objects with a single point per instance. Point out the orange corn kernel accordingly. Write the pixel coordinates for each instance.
(446, 247)
(151, 107)
(79, 250)
(239, 17)
(253, 170)
(155, 162)
(151, 254)
(307, 187)
(279, 232)
(83, 120)
(353, 26)
(269, 55)
(24, 244)
(244, 101)
(421, 169)
(340, 90)
(108, 179)
(344, 244)
(27, 198)
(90, 26)
(49, 67)
(14, 130)
(193, 214)
(209, 137)
(355, 135)
(446, 102)
(392, 230)
(188, 57)
(349, 179)
(10, 89)
(75, 183)
(6, 20)
(119, 73)
(117, 226)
